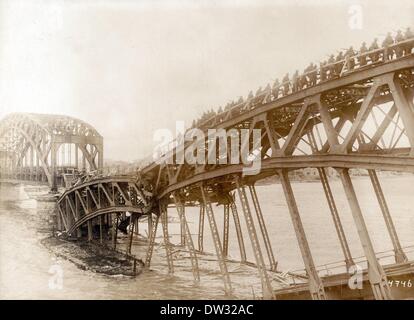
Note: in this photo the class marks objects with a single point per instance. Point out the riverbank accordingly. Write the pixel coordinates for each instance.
(83, 254)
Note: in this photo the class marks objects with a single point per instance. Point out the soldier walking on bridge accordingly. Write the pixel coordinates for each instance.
(339, 63)
(387, 43)
(295, 81)
(323, 71)
(285, 84)
(350, 53)
(375, 55)
(313, 76)
(399, 50)
(331, 66)
(362, 59)
(275, 89)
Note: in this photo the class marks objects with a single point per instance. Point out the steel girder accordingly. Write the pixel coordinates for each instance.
(335, 117)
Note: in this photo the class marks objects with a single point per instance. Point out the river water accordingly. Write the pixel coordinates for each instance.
(28, 269)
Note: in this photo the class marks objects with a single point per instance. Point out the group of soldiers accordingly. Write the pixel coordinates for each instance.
(400, 45)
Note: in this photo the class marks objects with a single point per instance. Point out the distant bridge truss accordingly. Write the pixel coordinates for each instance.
(361, 117)
(42, 148)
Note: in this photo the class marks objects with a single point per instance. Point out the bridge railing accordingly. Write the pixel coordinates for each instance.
(337, 267)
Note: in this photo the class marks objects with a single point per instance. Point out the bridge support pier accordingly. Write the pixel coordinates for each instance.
(131, 235)
(261, 267)
(239, 234)
(226, 225)
(115, 230)
(100, 230)
(189, 239)
(263, 229)
(376, 274)
(167, 243)
(151, 243)
(149, 220)
(400, 256)
(201, 229)
(216, 240)
(315, 283)
(335, 217)
(182, 233)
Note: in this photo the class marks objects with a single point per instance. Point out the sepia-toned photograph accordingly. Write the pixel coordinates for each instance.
(217, 151)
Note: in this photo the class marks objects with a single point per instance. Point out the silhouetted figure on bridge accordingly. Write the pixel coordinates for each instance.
(313, 74)
(285, 84)
(362, 59)
(339, 63)
(331, 66)
(295, 81)
(388, 52)
(275, 89)
(399, 50)
(323, 71)
(374, 56)
(350, 53)
(250, 95)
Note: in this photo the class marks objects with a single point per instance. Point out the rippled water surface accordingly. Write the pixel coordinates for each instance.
(26, 266)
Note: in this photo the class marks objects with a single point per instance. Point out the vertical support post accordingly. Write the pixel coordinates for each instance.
(189, 239)
(376, 274)
(131, 234)
(226, 223)
(151, 242)
(182, 232)
(315, 284)
(400, 256)
(58, 218)
(84, 159)
(261, 268)
(115, 231)
(76, 157)
(201, 229)
(263, 229)
(167, 244)
(100, 230)
(239, 234)
(53, 152)
(90, 234)
(217, 242)
(149, 227)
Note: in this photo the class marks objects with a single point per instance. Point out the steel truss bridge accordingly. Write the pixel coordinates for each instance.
(362, 118)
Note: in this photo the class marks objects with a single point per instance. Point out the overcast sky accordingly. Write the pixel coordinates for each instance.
(131, 67)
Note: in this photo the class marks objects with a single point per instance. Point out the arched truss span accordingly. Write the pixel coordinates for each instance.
(99, 198)
(39, 147)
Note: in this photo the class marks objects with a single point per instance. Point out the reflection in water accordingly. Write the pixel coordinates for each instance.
(29, 271)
